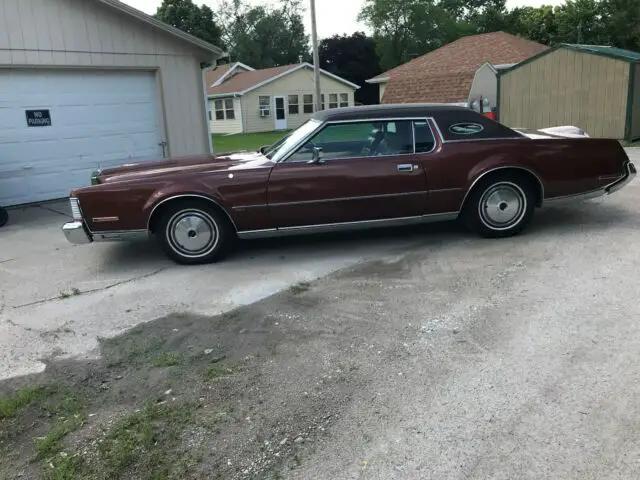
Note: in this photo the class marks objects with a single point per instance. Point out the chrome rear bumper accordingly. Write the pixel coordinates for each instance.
(630, 173)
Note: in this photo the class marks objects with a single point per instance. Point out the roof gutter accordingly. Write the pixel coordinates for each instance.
(225, 95)
(378, 80)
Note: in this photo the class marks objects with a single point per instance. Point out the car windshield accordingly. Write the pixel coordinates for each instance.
(279, 149)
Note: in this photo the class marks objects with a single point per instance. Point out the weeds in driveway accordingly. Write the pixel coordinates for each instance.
(141, 438)
(65, 466)
(168, 359)
(217, 371)
(73, 293)
(300, 287)
(12, 405)
(51, 443)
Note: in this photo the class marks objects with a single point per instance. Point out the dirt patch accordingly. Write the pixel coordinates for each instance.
(185, 396)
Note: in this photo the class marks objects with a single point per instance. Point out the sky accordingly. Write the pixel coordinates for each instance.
(332, 16)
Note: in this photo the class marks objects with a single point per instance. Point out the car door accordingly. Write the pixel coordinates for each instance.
(369, 171)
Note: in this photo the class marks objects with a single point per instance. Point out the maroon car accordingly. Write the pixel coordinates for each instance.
(349, 168)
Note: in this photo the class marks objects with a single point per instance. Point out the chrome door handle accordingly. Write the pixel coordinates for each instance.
(406, 167)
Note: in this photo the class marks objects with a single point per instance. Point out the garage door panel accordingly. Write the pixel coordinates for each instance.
(99, 119)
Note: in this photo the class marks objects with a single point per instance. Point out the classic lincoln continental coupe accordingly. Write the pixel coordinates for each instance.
(350, 168)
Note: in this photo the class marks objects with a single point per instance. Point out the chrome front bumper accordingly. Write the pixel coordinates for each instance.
(76, 233)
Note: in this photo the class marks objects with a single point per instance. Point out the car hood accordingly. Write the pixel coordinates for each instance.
(181, 165)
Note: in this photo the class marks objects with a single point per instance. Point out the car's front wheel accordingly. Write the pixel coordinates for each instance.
(193, 232)
(500, 206)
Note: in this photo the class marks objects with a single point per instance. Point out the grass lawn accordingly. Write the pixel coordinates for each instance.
(245, 141)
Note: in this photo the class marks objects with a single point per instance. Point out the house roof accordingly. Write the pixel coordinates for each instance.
(176, 32)
(443, 88)
(245, 81)
(446, 74)
(216, 73)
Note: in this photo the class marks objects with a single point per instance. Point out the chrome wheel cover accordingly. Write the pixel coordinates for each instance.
(502, 206)
(192, 233)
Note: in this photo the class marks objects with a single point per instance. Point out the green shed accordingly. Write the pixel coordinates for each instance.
(596, 88)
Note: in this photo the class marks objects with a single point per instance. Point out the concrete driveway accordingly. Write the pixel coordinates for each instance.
(56, 299)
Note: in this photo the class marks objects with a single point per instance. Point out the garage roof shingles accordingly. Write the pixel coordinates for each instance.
(446, 74)
(241, 81)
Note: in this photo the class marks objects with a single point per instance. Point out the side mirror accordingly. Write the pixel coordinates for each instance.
(264, 148)
(317, 155)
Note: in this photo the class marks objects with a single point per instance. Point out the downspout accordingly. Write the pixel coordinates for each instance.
(203, 72)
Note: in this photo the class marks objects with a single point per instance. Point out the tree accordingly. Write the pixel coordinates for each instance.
(404, 29)
(188, 17)
(536, 24)
(354, 58)
(394, 23)
(264, 37)
(622, 23)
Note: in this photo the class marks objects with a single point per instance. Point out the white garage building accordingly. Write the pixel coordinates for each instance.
(86, 84)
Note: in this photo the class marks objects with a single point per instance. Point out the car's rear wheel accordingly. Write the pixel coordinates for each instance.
(193, 232)
(500, 206)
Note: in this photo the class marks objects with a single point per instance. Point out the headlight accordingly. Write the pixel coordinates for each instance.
(76, 213)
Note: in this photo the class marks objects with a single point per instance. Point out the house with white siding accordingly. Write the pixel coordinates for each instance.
(245, 100)
(88, 84)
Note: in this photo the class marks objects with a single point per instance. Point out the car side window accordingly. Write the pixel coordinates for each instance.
(425, 141)
(359, 139)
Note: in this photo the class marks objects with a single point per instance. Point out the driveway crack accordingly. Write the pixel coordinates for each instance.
(93, 290)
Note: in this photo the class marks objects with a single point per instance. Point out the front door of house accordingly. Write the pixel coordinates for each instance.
(281, 114)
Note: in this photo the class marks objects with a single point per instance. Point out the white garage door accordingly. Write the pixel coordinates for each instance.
(56, 127)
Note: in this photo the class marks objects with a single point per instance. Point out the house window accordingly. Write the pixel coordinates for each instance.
(333, 100)
(344, 100)
(228, 109)
(322, 101)
(219, 104)
(294, 107)
(308, 103)
(224, 109)
(210, 115)
(265, 106)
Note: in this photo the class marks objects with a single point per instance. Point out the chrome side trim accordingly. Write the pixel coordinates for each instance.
(480, 177)
(346, 199)
(438, 129)
(104, 219)
(492, 139)
(245, 207)
(189, 195)
(575, 197)
(348, 226)
(119, 235)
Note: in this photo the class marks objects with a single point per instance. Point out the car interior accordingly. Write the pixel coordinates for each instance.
(367, 139)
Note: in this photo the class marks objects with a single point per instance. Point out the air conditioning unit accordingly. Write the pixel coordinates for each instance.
(264, 112)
